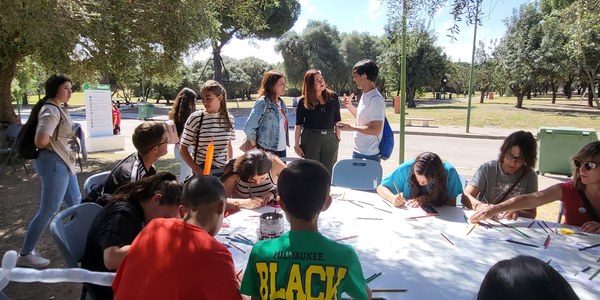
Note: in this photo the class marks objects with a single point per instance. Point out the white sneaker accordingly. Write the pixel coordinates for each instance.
(33, 260)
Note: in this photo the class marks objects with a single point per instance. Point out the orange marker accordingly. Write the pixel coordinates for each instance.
(210, 151)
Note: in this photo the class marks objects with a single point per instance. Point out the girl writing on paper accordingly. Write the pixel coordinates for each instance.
(183, 107)
(250, 180)
(424, 180)
(580, 196)
(213, 123)
(510, 175)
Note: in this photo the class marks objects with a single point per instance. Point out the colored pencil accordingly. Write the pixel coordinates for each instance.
(546, 231)
(373, 277)
(530, 224)
(595, 274)
(466, 220)
(547, 242)
(546, 225)
(514, 228)
(548, 262)
(238, 274)
(239, 241)
(244, 238)
(386, 202)
(396, 187)
(389, 290)
(447, 239)
(367, 203)
(589, 247)
(236, 247)
(472, 227)
(367, 218)
(381, 209)
(418, 217)
(350, 201)
(584, 270)
(346, 238)
(521, 243)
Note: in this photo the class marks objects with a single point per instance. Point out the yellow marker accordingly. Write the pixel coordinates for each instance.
(566, 231)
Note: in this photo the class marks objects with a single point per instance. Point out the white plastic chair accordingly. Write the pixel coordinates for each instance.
(358, 174)
(94, 180)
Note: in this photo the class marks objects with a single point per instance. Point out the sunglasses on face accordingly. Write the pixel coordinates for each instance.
(588, 165)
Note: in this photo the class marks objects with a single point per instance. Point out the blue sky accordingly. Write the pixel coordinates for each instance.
(371, 16)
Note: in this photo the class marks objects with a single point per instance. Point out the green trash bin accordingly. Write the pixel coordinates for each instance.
(145, 111)
(558, 144)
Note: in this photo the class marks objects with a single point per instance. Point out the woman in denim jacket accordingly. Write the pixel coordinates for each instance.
(267, 124)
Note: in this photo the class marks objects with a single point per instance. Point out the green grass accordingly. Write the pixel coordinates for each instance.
(502, 113)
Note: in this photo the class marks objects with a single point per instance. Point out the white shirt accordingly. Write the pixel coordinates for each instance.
(371, 107)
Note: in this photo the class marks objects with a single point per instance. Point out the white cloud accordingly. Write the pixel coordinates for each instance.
(457, 51)
(309, 7)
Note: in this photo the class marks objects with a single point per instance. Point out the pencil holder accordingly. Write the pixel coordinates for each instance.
(271, 226)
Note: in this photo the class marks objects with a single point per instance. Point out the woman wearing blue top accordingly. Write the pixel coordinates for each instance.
(424, 180)
(267, 124)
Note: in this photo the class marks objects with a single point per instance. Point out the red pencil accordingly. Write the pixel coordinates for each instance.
(449, 241)
(238, 274)
(547, 242)
(236, 247)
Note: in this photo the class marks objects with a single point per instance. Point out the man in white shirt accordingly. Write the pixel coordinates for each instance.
(370, 112)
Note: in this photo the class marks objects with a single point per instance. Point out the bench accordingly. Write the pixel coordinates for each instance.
(425, 121)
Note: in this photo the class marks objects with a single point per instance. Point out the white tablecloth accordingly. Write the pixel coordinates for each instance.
(413, 254)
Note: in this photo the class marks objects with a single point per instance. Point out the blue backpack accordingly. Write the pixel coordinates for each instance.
(386, 145)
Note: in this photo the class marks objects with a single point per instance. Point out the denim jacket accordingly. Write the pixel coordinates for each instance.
(268, 132)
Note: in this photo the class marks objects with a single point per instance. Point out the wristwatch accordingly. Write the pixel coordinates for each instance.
(236, 203)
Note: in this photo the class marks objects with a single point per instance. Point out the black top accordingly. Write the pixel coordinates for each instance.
(117, 224)
(322, 117)
(130, 169)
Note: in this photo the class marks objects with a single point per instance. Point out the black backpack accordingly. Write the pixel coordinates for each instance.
(25, 143)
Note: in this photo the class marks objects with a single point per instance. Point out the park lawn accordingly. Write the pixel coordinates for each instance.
(502, 113)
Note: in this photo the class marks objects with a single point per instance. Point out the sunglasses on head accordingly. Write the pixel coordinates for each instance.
(588, 165)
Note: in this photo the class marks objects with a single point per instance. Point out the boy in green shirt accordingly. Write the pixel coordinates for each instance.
(302, 263)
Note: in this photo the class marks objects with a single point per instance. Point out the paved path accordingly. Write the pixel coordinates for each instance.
(466, 151)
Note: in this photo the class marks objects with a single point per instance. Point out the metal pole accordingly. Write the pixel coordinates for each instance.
(403, 83)
(472, 65)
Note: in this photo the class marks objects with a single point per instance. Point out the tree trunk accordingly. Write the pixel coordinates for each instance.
(590, 95)
(484, 92)
(554, 88)
(519, 100)
(218, 72)
(7, 73)
(410, 97)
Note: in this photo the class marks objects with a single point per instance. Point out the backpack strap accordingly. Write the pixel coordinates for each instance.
(198, 136)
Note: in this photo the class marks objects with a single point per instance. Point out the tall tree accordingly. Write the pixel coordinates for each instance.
(584, 31)
(518, 49)
(270, 18)
(46, 29)
(552, 57)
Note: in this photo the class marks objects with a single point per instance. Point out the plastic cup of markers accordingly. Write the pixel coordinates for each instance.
(270, 226)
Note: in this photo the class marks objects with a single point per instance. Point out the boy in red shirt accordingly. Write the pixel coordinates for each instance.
(180, 259)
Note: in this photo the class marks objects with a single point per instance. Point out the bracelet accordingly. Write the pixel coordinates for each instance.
(236, 203)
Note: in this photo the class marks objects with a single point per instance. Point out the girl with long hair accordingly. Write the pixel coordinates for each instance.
(424, 180)
(183, 107)
(316, 136)
(580, 196)
(118, 223)
(55, 164)
(215, 124)
(267, 125)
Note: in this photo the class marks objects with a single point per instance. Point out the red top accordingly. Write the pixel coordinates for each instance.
(171, 259)
(575, 211)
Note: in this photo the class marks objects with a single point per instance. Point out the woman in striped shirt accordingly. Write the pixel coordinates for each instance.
(250, 180)
(212, 124)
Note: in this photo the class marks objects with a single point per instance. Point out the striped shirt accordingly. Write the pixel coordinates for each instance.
(212, 127)
(248, 190)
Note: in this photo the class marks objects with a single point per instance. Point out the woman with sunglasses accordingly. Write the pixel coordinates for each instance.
(511, 174)
(580, 196)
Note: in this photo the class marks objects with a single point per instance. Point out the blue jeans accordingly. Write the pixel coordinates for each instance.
(57, 185)
(375, 157)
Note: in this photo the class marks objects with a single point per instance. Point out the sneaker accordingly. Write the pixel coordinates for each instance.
(32, 260)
